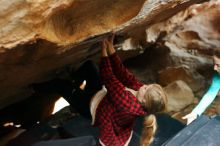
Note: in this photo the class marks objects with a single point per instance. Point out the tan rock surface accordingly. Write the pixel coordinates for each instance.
(39, 37)
(184, 73)
(179, 96)
(194, 28)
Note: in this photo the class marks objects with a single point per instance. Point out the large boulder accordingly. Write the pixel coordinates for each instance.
(179, 95)
(184, 73)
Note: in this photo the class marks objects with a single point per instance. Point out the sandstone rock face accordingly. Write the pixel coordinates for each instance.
(193, 29)
(190, 35)
(179, 95)
(192, 78)
(40, 37)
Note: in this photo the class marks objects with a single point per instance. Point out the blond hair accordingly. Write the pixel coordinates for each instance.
(155, 101)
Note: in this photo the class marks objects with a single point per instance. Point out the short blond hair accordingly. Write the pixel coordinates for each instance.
(155, 99)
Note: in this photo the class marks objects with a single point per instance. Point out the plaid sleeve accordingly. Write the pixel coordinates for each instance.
(123, 74)
(123, 99)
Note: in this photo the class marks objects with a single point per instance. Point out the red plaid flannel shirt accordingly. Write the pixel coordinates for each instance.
(117, 111)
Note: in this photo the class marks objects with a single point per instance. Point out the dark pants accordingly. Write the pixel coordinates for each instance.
(69, 89)
(80, 99)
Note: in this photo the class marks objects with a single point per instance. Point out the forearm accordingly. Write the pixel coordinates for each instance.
(123, 74)
(119, 70)
(110, 45)
(203, 104)
(206, 99)
(104, 53)
(111, 50)
(121, 98)
(114, 87)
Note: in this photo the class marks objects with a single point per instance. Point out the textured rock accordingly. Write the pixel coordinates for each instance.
(179, 95)
(195, 28)
(40, 37)
(192, 78)
(190, 35)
